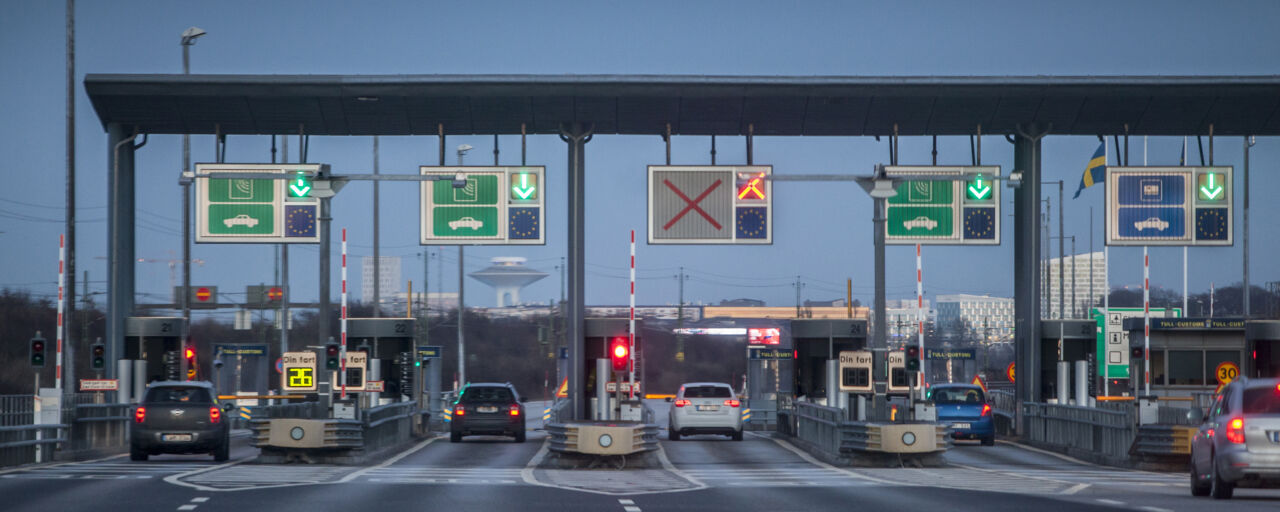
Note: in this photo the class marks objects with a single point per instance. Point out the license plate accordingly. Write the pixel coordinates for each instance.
(959, 425)
(708, 407)
(486, 409)
(176, 438)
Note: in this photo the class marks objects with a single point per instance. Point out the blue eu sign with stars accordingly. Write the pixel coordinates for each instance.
(524, 224)
(753, 222)
(300, 221)
(980, 223)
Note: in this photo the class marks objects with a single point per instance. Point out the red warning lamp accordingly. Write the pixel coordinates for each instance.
(619, 354)
(752, 188)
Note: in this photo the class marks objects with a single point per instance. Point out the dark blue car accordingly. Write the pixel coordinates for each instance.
(965, 407)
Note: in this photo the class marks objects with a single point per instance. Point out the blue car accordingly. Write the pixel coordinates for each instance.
(965, 407)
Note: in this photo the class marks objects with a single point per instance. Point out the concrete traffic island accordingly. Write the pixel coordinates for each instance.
(601, 444)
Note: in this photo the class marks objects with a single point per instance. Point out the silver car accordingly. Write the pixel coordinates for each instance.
(1239, 440)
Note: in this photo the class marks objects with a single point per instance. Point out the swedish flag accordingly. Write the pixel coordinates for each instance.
(1096, 171)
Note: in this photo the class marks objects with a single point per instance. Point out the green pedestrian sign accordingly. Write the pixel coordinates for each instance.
(495, 206)
(961, 207)
(239, 209)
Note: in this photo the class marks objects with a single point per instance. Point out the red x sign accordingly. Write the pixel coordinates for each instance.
(692, 204)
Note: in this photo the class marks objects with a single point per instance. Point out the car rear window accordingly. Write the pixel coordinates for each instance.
(487, 394)
(178, 395)
(1261, 400)
(707, 392)
(958, 396)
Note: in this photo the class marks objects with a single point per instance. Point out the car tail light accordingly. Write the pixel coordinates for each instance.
(515, 410)
(140, 415)
(459, 411)
(215, 415)
(682, 403)
(986, 409)
(732, 403)
(1235, 431)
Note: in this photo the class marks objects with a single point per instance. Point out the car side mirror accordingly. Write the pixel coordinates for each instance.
(228, 406)
(669, 399)
(1195, 415)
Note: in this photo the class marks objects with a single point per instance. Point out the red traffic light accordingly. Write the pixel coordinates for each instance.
(619, 353)
(1137, 353)
(331, 350)
(913, 351)
(37, 346)
(189, 353)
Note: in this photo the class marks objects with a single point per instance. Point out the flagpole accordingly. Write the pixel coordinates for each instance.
(1106, 291)
(1184, 248)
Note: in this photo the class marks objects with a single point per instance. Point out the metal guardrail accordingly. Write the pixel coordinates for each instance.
(16, 410)
(1163, 440)
(388, 425)
(19, 443)
(1105, 432)
(819, 425)
(99, 427)
(303, 410)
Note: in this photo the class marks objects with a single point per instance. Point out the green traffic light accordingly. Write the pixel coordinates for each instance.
(417, 363)
(524, 186)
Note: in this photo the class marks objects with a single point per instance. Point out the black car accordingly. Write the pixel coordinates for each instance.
(488, 409)
(180, 417)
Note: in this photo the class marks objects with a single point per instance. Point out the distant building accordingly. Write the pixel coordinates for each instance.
(902, 318)
(742, 303)
(1084, 275)
(976, 315)
(389, 277)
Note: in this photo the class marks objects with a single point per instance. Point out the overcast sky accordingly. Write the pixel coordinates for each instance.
(822, 232)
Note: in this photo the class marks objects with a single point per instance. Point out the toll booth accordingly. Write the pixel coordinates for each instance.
(392, 359)
(1262, 341)
(598, 333)
(152, 352)
(1189, 356)
(1063, 345)
(815, 342)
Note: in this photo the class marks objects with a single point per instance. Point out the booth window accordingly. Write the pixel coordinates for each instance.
(1158, 370)
(1186, 368)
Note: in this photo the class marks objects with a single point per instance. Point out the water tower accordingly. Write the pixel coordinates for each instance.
(508, 275)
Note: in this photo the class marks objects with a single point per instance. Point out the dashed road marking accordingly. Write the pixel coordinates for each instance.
(200, 499)
(187, 507)
(1111, 502)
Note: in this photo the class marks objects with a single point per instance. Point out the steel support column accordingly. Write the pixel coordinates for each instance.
(1026, 258)
(120, 248)
(576, 135)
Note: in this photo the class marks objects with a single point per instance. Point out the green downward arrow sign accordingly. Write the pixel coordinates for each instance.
(524, 190)
(1210, 190)
(978, 190)
(300, 187)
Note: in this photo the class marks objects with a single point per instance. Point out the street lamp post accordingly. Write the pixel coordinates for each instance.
(462, 308)
(188, 38)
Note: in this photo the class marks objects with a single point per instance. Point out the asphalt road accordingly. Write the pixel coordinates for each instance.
(701, 473)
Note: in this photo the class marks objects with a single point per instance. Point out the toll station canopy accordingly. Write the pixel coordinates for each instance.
(693, 105)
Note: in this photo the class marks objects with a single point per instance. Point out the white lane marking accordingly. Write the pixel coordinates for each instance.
(201, 499)
(1155, 509)
(631, 509)
(1111, 502)
(1077, 488)
(809, 458)
(1069, 458)
(175, 478)
(526, 474)
(187, 507)
(626, 502)
(667, 465)
(387, 462)
(58, 464)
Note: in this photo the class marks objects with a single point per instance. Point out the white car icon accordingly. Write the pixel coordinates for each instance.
(241, 220)
(465, 222)
(921, 222)
(1152, 222)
